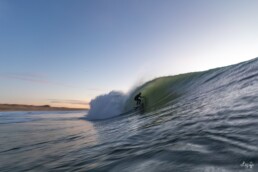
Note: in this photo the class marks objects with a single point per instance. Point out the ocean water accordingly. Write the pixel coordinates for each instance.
(206, 122)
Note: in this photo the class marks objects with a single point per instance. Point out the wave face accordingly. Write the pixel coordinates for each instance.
(158, 92)
(163, 91)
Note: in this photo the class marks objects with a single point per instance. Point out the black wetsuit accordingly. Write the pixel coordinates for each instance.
(137, 98)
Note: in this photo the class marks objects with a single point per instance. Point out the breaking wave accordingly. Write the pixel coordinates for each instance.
(163, 91)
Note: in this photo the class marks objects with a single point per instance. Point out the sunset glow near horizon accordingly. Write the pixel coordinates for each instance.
(66, 52)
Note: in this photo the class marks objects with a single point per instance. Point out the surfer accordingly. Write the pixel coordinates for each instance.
(137, 98)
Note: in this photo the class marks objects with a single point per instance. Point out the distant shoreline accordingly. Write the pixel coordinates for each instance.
(20, 107)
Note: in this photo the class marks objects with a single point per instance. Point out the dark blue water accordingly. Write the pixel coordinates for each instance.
(213, 127)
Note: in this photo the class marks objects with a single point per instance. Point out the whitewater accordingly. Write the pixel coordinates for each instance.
(202, 122)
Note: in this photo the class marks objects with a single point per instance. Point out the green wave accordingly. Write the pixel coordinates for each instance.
(158, 92)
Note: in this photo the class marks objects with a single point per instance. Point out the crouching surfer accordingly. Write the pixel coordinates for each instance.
(138, 99)
(139, 102)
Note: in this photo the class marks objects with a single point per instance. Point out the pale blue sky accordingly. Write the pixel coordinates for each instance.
(72, 50)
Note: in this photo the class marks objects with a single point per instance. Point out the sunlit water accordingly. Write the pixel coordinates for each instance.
(211, 128)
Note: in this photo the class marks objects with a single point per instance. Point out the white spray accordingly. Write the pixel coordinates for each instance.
(107, 106)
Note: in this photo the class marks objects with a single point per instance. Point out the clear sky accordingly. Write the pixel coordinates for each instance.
(65, 52)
